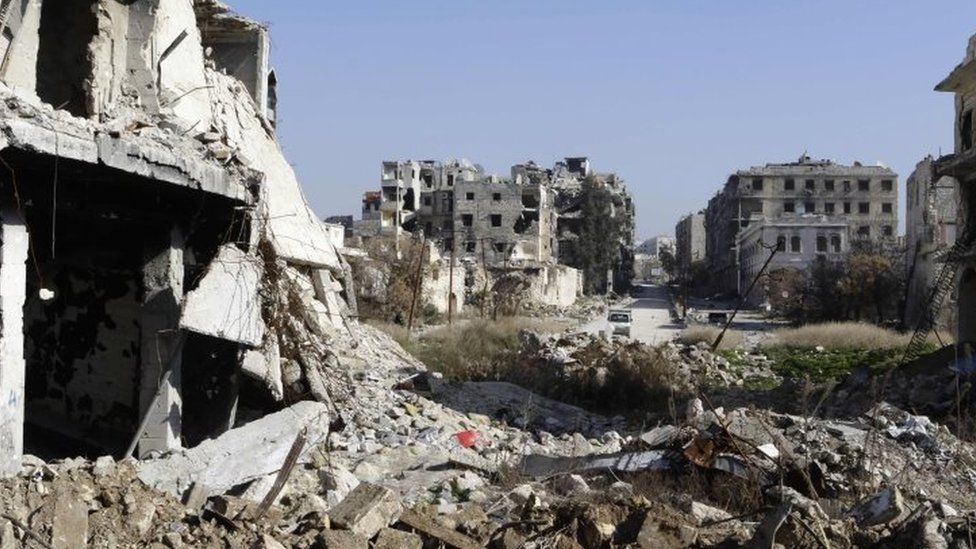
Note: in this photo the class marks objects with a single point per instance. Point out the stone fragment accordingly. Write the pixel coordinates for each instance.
(267, 542)
(653, 534)
(881, 508)
(338, 482)
(366, 510)
(140, 514)
(240, 455)
(342, 539)
(569, 485)
(70, 524)
(389, 538)
(705, 514)
(103, 467)
(430, 528)
(659, 437)
(196, 497)
(8, 539)
(509, 539)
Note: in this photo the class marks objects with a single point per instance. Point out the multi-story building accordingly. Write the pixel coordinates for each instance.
(689, 242)
(798, 241)
(466, 211)
(931, 212)
(865, 198)
(961, 167)
(527, 217)
(656, 245)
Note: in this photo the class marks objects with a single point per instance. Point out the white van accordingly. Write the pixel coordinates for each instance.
(620, 320)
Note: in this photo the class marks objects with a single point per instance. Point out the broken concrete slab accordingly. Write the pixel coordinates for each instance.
(226, 304)
(659, 437)
(705, 514)
(429, 527)
(70, 524)
(367, 509)
(264, 365)
(239, 455)
(881, 508)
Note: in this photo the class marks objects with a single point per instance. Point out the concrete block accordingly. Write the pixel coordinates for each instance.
(343, 539)
(226, 303)
(70, 524)
(239, 455)
(389, 538)
(367, 510)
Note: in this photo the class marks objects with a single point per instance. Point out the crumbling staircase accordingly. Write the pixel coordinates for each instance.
(943, 285)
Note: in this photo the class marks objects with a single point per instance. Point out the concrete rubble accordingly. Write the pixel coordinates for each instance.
(191, 332)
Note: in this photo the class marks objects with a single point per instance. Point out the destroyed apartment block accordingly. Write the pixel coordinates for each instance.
(162, 277)
(932, 213)
(475, 223)
(956, 277)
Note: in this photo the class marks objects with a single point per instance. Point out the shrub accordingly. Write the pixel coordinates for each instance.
(838, 335)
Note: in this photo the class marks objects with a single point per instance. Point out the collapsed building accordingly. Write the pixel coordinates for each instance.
(805, 209)
(957, 275)
(525, 223)
(147, 214)
(931, 213)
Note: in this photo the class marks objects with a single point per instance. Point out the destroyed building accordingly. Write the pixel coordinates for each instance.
(806, 209)
(524, 223)
(957, 276)
(931, 213)
(146, 211)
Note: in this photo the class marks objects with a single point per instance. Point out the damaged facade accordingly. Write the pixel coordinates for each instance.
(959, 169)
(522, 223)
(931, 216)
(808, 208)
(146, 210)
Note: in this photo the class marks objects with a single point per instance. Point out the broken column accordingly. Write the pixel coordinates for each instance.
(13, 287)
(161, 348)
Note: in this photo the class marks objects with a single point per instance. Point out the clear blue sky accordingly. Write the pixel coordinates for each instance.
(673, 95)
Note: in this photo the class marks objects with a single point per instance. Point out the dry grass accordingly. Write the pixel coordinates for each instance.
(707, 333)
(468, 349)
(838, 335)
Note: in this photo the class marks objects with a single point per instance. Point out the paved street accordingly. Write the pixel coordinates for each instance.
(651, 316)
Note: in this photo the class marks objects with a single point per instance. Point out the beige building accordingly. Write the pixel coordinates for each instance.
(689, 242)
(865, 198)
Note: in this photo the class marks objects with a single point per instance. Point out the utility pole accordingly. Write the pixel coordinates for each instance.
(416, 284)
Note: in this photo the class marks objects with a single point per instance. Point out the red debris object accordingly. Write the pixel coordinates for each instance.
(467, 438)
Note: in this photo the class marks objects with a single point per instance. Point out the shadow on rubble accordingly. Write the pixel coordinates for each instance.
(519, 407)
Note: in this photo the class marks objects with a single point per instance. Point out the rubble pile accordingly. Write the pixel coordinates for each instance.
(579, 359)
(741, 477)
(584, 308)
